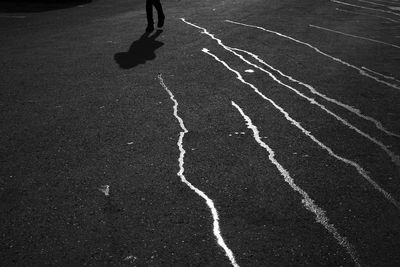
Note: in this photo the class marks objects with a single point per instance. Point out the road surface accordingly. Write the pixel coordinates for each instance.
(245, 133)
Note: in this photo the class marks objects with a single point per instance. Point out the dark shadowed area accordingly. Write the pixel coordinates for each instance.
(12, 6)
(141, 51)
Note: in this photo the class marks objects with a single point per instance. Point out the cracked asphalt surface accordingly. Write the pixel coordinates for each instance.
(82, 107)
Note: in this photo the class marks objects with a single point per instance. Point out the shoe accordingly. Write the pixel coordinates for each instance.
(160, 22)
(150, 28)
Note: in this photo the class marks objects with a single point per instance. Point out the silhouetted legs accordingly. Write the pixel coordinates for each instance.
(149, 11)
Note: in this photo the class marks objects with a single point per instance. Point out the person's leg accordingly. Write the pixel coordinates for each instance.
(149, 12)
(160, 12)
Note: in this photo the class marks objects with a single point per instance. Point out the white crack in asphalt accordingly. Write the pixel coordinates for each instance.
(360, 71)
(364, 7)
(354, 36)
(355, 165)
(368, 15)
(210, 203)
(309, 204)
(395, 158)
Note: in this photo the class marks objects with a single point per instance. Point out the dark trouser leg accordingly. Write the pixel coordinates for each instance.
(158, 6)
(149, 11)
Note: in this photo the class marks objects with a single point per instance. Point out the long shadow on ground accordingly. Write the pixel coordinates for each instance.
(140, 51)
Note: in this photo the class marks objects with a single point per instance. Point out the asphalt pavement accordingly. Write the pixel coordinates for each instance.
(242, 133)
